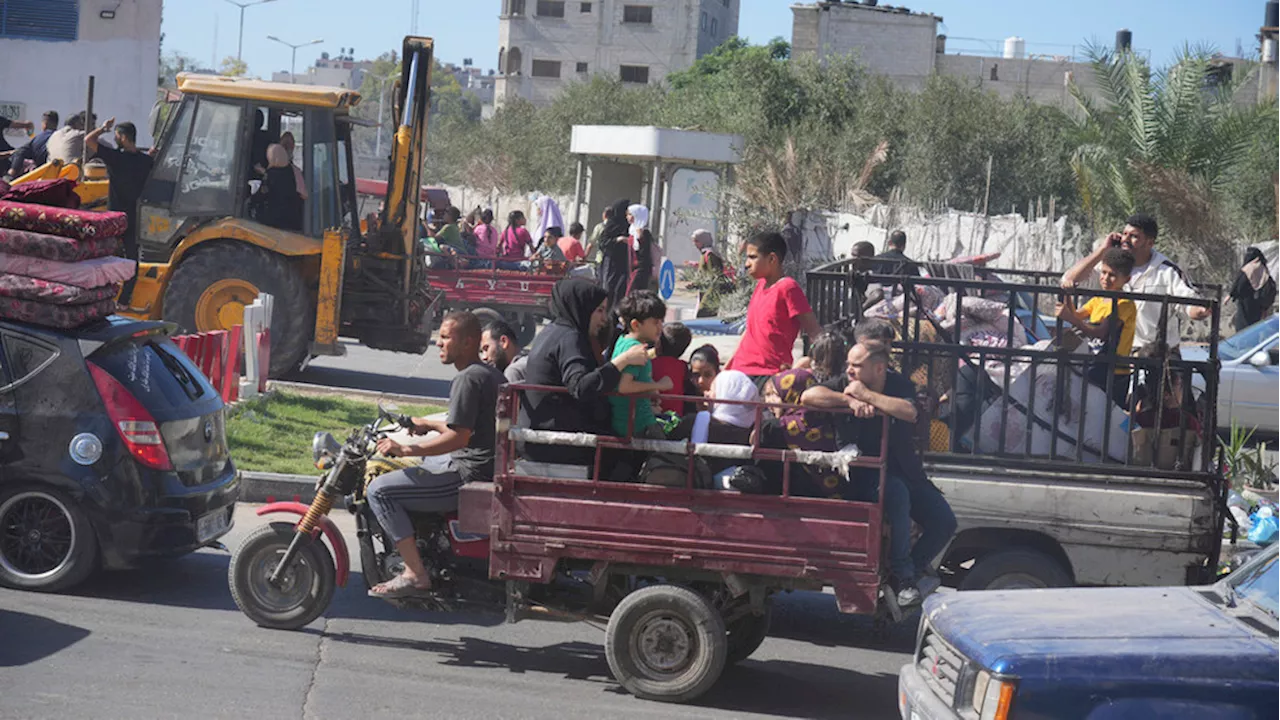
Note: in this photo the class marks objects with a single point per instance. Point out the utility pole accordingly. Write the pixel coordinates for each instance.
(293, 60)
(242, 6)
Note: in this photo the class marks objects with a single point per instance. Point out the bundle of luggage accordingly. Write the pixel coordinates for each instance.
(58, 266)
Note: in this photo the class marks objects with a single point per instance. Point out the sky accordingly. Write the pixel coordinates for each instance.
(207, 29)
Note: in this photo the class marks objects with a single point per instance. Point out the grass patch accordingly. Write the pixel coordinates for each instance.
(273, 434)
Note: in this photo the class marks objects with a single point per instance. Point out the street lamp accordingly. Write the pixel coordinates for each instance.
(242, 6)
(294, 49)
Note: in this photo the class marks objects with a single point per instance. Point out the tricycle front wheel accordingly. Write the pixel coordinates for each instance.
(304, 590)
(666, 643)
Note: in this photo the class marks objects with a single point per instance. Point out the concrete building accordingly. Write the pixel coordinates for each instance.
(905, 46)
(473, 80)
(49, 48)
(546, 44)
(340, 71)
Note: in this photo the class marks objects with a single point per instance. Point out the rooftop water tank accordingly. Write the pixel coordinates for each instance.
(1015, 47)
(1124, 39)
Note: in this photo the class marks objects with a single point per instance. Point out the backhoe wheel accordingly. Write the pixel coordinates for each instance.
(304, 591)
(211, 287)
(667, 643)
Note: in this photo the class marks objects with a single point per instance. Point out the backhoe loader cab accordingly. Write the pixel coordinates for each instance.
(207, 252)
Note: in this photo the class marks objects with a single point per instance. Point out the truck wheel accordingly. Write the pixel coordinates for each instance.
(211, 287)
(747, 633)
(1016, 570)
(666, 643)
(46, 541)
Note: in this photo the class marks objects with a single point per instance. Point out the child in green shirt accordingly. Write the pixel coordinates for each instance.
(642, 313)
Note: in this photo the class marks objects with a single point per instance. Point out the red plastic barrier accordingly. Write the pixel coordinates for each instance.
(220, 356)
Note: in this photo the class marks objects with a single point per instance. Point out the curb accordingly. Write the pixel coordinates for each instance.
(261, 487)
(366, 395)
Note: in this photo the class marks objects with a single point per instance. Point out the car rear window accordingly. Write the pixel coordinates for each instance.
(159, 375)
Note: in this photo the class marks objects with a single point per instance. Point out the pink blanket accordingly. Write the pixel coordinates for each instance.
(53, 247)
(84, 274)
(58, 316)
(47, 291)
(79, 224)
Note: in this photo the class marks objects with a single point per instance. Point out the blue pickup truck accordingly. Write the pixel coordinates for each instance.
(1101, 653)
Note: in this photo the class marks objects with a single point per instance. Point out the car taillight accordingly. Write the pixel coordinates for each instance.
(137, 428)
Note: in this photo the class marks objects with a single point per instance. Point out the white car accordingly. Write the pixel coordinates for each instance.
(1249, 385)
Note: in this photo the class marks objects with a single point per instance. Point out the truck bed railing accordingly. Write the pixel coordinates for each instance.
(1035, 406)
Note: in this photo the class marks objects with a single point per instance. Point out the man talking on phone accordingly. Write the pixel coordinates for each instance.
(1153, 274)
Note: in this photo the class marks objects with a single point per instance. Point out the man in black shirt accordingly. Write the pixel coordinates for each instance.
(894, 260)
(467, 437)
(872, 390)
(127, 169)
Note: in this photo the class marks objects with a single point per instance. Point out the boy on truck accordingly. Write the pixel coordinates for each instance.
(1109, 323)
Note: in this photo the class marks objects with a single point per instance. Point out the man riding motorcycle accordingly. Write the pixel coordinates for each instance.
(467, 437)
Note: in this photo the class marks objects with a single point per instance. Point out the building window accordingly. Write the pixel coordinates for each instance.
(581, 68)
(515, 7)
(635, 74)
(551, 8)
(702, 24)
(513, 61)
(639, 14)
(502, 59)
(546, 68)
(584, 8)
(40, 19)
(715, 25)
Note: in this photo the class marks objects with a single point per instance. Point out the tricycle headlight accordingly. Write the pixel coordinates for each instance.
(992, 697)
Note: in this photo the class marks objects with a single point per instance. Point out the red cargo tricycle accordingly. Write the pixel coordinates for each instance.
(682, 576)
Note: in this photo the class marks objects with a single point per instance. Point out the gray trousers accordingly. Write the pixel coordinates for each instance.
(394, 495)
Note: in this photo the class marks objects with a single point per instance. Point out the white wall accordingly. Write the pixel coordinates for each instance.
(897, 45)
(123, 54)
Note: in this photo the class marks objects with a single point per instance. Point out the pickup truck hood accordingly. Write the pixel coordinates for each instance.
(1122, 632)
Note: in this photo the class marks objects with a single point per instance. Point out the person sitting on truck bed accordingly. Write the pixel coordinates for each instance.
(500, 348)
(1108, 322)
(873, 389)
(796, 428)
(467, 436)
(562, 355)
(724, 423)
(641, 312)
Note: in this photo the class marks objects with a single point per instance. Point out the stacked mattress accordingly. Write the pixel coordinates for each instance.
(58, 266)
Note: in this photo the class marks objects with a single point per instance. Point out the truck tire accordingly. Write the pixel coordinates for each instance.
(666, 643)
(1014, 570)
(210, 287)
(747, 633)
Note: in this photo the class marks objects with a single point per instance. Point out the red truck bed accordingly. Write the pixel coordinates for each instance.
(534, 522)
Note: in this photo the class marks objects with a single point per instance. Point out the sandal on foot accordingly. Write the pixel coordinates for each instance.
(399, 587)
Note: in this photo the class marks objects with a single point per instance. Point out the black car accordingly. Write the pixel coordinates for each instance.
(112, 450)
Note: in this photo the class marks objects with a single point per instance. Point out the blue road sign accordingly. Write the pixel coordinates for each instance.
(666, 279)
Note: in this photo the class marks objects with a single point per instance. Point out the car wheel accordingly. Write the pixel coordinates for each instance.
(46, 541)
(1016, 570)
(667, 643)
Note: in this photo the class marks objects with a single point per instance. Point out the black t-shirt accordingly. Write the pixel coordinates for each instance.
(867, 433)
(473, 403)
(128, 173)
(4, 142)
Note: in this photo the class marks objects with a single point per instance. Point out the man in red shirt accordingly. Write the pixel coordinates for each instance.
(777, 313)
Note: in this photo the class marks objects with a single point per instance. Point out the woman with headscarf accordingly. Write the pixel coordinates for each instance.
(705, 243)
(724, 423)
(640, 248)
(796, 428)
(615, 252)
(281, 204)
(289, 144)
(1254, 290)
(548, 215)
(563, 355)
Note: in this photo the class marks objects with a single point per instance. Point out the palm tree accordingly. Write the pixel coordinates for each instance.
(1170, 141)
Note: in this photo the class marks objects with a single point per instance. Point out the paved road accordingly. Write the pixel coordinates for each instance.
(170, 643)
